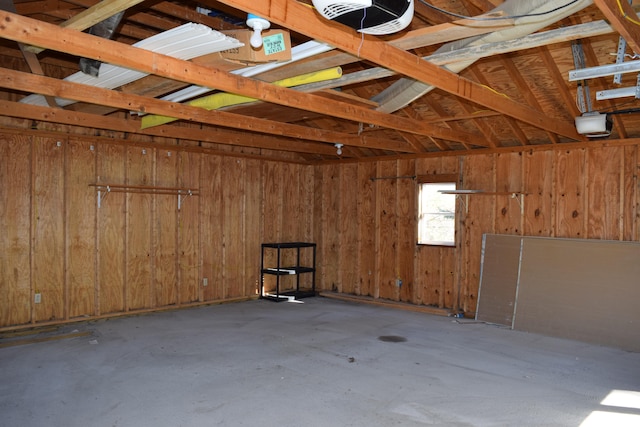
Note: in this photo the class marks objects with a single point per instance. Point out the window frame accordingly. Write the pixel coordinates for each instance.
(436, 179)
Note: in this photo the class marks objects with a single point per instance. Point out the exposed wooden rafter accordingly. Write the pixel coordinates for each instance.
(49, 86)
(300, 18)
(623, 18)
(37, 33)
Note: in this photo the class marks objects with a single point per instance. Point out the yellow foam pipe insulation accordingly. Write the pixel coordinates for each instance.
(220, 100)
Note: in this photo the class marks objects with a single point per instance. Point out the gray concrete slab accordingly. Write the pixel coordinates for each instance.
(317, 363)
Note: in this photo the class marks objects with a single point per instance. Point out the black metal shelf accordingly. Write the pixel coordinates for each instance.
(284, 271)
(296, 270)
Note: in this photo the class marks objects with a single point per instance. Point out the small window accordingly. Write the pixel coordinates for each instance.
(436, 214)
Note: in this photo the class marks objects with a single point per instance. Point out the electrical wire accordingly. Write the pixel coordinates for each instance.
(628, 111)
(496, 92)
(625, 16)
(364, 16)
(500, 18)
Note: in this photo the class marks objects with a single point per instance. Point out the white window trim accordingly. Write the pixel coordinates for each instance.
(436, 179)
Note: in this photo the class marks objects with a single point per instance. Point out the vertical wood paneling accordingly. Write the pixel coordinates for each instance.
(233, 241)
(212, 226)
(348, 246)
(406, 224)
(291, 206)
(110, 229)
(448, 267)
(188, 243)
(508, 180)
(631, 192)
(272, 219)
(318, 224)
(331, 231)
(366, 258)
(306, 206)
(604, 193)
(386, 198)
(430, 288)
(165, 226)
(48, 249)
(253, 229)
(636, 176)
(291, 226)
(569, 193)
(56, 241)
(273, 194)
(138, 230)
(479, 174)
(15, 244)
(81, 216)
(538, 179)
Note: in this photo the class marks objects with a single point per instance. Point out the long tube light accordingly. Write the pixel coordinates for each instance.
(302, 51)
(185, 42)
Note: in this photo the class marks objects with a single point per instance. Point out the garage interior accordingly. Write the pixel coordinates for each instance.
(148, 154)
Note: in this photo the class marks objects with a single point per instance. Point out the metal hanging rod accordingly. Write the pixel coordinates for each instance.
(393, 177)
(104, 189)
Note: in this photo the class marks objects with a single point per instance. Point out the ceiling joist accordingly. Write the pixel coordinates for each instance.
(26, 30)
(49, 86)
(305, 20)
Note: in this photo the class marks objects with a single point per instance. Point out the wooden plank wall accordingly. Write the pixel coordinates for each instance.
(585, 193)
(137, 252)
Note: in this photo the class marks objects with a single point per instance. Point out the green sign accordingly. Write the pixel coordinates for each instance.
(274, 44)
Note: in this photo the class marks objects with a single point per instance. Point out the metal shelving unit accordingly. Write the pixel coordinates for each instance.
(279, 271)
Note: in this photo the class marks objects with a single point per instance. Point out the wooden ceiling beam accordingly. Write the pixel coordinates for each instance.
(569, 99)
(471, 53)
(623, 18)
(95, 14)
(412, 139)
(33, 32)
(437, 108)
(300, 18)
(212, 135)
(430, 15)
(475, 114)
(416, 38)
(525, 89)
(49, 86)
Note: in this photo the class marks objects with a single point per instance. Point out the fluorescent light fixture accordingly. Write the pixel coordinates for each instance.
(302, 51)
(185, 42)
(604, 70)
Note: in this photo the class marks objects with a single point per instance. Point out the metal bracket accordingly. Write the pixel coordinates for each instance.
(102, 196)
(181, 197)
(584, 97)
(622, 47)
(520, 198)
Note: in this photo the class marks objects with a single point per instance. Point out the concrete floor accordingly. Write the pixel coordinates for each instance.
(318, 363)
